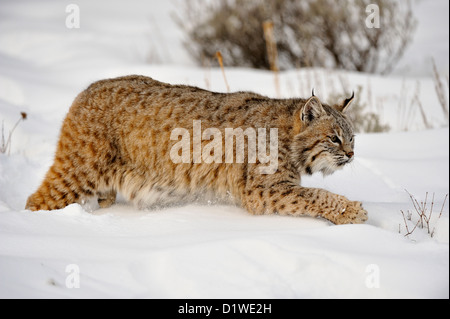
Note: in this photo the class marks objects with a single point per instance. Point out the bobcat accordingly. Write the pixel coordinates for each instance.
(117, 138)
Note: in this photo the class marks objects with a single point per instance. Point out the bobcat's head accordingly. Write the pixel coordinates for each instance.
(324, 140)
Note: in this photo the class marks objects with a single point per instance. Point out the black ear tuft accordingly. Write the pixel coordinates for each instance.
(344, 105)
(312, 110)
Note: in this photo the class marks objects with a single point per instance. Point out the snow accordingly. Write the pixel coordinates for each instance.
(430, 40)
(212, 251)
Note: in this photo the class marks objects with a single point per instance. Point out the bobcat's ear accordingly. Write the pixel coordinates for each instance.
(345, 104)
(312, 110)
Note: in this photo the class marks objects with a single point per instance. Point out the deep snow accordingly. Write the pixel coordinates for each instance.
(211, 251)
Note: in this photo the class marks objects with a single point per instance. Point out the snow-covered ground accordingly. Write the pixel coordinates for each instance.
(214, 251)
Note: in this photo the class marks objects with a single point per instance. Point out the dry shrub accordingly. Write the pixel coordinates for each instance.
(311, 33)
(363, 120)
(425, 215)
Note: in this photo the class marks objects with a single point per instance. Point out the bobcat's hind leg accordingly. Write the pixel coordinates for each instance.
(106, 199)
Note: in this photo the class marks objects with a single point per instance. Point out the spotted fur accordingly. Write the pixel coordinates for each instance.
(116, 138)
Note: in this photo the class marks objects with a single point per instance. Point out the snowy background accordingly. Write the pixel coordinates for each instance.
(215, 251)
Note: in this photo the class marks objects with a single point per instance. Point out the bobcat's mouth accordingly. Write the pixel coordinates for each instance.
(343, 161)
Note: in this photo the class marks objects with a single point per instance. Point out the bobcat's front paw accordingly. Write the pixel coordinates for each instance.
(353, 213)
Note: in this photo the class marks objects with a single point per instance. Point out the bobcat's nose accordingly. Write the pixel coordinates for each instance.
(350, 154)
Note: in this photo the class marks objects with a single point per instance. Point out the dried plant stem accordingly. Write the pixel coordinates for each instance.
(3, 145)
(421, 108)
(409, 232)
(6, 145)
(402, 123)
(207, 68)
(220, 59)
(424, 210)
(440, 91)
(272, 53)
(369, 94)
(440, 213)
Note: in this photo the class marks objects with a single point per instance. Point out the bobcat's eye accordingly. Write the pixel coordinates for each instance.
(335, 139)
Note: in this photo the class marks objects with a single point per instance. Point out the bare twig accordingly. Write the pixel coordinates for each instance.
(424, 216)
(421, 108)
(207, 67)
(440, 91)
(6, 146)
(2, 146)
(409, 232)
(440, 213)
